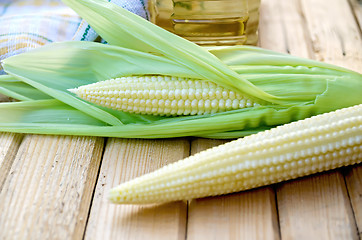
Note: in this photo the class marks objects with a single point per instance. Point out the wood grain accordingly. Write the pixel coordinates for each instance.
(49, 187)
(316, 207)
(282, 28)
(9, 145)
(334, 32)
(123, 160)
(308, 208)
(246, 215)
(354, 186)
(356, 6)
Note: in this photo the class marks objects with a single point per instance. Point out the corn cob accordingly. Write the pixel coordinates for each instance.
(163, 95)
(293, 150)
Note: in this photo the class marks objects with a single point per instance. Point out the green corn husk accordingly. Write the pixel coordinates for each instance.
(19, 90)
(291, 88)
(40, 112)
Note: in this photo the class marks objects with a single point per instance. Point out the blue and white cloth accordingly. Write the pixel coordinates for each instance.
(28, 24)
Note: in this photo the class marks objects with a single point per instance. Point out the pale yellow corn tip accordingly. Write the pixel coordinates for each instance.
(293, 150)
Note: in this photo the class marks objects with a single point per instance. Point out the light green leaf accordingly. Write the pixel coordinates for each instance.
(19, 90)
(41, 112)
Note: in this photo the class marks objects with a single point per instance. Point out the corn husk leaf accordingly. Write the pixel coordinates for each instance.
(14, 88)
(39, 113)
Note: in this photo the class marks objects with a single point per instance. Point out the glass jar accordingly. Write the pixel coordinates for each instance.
(209, 22)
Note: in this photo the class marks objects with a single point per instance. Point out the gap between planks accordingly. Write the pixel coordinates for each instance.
(9, 145)
(125, 159)
(49, 188)
(309, 207)
(353, 177)
(356, 8)
(245, 215)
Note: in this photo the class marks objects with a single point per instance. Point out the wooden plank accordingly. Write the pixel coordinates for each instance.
(309, 208)
(48, 190)
(9, 145)
(354, 186)
(316, 207)
(282, 28)
(246, 215)
(123, 160)
(335, 35)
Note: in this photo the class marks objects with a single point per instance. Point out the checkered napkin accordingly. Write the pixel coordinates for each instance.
(27, 24)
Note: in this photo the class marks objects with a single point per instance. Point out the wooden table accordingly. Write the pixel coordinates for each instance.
(54, 187)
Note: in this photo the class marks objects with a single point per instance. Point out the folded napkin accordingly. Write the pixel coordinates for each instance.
(28, 24)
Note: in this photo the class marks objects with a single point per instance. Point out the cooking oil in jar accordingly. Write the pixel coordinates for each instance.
(209, 22)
